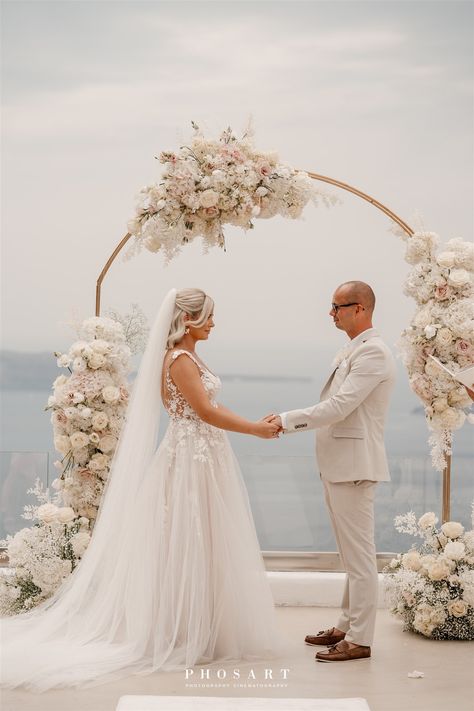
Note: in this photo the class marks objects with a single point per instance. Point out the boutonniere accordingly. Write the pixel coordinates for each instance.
(340, 358)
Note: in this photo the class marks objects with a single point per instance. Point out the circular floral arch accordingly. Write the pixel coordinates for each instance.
(205, 186)
(211, 183)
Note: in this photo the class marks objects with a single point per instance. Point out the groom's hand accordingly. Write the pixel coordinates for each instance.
(275, 419)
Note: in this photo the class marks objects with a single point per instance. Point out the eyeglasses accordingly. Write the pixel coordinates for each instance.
(336, 307)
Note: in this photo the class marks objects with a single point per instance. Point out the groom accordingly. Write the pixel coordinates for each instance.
(349, 423)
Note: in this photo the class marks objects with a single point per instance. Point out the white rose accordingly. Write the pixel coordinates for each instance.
(47, 513)
(111, 394)
(208, 198)
(100, 421)
(79, 365)
(78, 397)
(79, 543)
(440, 404)
(66, 514)
(70, 412)
(412, 560)
(107, 443)
(437, 616)
(452, 529)
(452, 419)
(430, 331)
(98, 462)
(101, 346)
(51, 401)
(458, 277)
(457, 608)
(426, 561)
(427, 520)
(459, 396)
(62, 443)
(439, 570)
(444, 337)
(79, 439)
(94, 438)
(446, 259)
(60, 380)
(424, 627)
(85, 412)
(97, 360)
(455, 550)
(64, 361)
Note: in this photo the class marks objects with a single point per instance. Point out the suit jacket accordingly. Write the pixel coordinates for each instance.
(350, 418)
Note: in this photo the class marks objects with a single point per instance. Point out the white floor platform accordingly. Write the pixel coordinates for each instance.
(448, 681)
(209, 703)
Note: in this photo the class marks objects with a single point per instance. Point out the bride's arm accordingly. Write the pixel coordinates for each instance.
(185, 375)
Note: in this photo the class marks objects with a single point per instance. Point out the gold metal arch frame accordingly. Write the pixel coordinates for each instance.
(355, 191)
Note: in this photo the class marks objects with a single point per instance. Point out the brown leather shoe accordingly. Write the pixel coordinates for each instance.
(325, 637)
(341, 652)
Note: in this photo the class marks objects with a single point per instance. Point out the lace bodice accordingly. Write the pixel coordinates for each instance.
(175, 404)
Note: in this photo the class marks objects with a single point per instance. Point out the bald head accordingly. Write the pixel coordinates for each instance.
(360, 293)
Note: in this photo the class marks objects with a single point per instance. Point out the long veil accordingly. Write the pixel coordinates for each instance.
(95, 628)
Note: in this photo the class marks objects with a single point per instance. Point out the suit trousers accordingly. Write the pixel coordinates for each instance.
(351, 509)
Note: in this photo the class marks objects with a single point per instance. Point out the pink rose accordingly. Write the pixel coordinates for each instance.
(265, 170)
(237, 155)
(210, 212)
(85, 474)
(443, 291)
(59, 418)
(463, 347)
(123, 393)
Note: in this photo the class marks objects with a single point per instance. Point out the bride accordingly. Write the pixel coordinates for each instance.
(173, 575)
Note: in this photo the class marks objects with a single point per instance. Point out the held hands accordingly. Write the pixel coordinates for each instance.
(268, 428)
(274, 419)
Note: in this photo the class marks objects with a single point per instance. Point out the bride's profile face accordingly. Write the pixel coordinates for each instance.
(202, 333)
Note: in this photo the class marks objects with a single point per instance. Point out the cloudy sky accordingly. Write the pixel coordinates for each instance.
(377, 94)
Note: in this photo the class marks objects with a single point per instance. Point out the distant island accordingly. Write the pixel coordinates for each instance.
(36, 371)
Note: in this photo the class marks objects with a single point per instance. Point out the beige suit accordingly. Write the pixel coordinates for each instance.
(351, 456)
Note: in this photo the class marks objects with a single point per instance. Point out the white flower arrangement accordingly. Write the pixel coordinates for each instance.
(40, 558)
(88, 409)
(431, 587)
(442, 285)
(212, 183)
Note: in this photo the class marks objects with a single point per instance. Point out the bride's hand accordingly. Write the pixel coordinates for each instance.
(266, 429)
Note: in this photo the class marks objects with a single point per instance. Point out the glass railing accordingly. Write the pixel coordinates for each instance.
(286, 496)
(18, 473)
(288, 505)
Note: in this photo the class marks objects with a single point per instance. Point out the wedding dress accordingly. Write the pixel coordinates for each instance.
(171, 579)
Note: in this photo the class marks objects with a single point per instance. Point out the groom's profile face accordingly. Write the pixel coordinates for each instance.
(343, 310)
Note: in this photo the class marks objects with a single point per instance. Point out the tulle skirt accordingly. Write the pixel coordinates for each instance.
(186, 585)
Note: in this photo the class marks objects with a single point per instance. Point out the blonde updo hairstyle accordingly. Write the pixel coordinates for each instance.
(191, 302)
